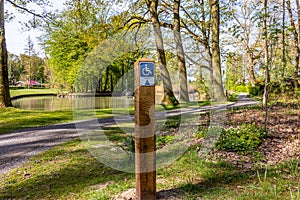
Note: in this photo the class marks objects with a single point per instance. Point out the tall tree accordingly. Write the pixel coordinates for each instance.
(164, 21)
(169, 97)
(218, 90)
(202, 23)
(5, 100)
(30, 51)
(247, 34)
(4, 84)
(266, 63)
(15, 68)
(283, 39)
(198, 26)
(295, 30)
(184, 93)
(235, 72)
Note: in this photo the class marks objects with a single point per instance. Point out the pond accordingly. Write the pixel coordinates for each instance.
(51, 103)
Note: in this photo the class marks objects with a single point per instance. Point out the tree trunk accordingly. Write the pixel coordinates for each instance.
(111, 82)
(123, 72)
(4, 84)
(106, 80)
(296, 72)
(296, 40)
(267, 73)
(169, 98)
(251, 69)
(216, 58)
(283, 40)
(184, 92)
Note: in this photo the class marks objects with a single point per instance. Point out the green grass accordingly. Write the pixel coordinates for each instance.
(233, 97)
(192, 104)
(69, 172)
(12, 119)
(65, 172)
(19, 92)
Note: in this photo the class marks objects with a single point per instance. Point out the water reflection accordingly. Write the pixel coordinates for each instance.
(49, 103)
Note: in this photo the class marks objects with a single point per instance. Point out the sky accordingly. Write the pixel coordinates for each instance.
(16, 38)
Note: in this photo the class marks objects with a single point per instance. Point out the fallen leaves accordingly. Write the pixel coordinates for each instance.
(282, 144)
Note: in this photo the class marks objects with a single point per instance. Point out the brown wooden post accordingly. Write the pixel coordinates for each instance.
(145, 155)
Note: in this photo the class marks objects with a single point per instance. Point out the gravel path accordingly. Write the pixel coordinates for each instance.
(16, 148)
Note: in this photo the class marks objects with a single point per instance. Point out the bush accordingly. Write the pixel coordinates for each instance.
(256, 90)
(241, 88)
(162, 140)
(244, 138)
(238, 88)
(233, 97)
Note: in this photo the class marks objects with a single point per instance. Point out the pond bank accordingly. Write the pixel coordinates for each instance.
(31, 95)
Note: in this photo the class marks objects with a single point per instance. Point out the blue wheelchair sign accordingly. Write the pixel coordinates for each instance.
(147, 74)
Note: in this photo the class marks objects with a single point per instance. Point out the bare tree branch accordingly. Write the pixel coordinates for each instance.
(43, 17)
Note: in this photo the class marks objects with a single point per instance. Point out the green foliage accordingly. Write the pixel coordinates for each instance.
(233, 97)
(81, 27)
(241, 88)
(108, 68)
(25, 67)
(68, 171)
(201, 134)
(254, 91)
(235, 78)
(129, 144)
(162, 140)
(202, 87)
(286, 86)
(257, 89)
(244, 138)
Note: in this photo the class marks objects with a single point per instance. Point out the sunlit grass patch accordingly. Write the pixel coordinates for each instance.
(12, 119)
(20, 92)
(69, 171)
(65, 172)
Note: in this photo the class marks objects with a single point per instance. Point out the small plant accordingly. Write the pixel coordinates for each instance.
(201, 134)
(128, 145)
(294, 167)
(163, 140)
(265, 188)
(258, 156)
(233, 97)
(244, 138)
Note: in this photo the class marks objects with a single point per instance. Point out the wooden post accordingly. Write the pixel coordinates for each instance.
(145, 155)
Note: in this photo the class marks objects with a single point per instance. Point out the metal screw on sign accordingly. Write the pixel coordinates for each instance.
(145, 155)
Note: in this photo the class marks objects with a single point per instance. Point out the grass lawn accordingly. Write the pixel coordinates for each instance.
(12, 119)
(19, 92)
(70, 172)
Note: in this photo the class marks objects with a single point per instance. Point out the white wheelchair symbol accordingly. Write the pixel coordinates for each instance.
(146, 71)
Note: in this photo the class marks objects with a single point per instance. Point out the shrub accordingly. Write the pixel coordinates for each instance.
(256, 90)
(244, 138)
(162, 140)
(233, 97)
(241, 88)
